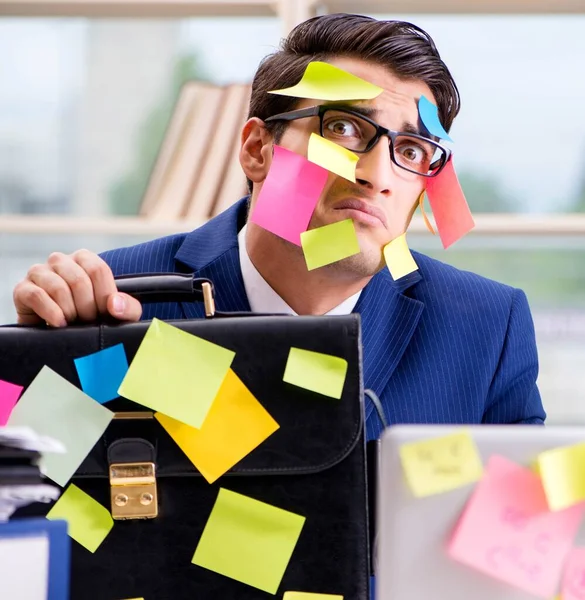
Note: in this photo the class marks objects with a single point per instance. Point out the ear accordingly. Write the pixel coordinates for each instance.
(256, 150)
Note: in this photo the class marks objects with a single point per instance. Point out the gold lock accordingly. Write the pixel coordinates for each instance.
(133, 491)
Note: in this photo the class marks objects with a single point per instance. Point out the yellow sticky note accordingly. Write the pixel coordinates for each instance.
(441, 464)
(398, 258)
(310, 596)
(235, 425)
(315, 371)
(332, 156)
(248, 540)
(88, 522)
(322, 81)
(562, 471)
(176, 373)
(328, 244)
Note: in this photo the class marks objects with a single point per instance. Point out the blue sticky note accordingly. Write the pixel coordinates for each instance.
(101, 373)
(429, 115)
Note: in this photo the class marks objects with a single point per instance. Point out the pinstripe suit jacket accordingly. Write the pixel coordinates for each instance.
(439, 346)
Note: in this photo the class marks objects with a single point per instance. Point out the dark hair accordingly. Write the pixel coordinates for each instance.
(405, 49)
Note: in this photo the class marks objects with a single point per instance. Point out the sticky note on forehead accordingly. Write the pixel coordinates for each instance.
(429, 115)
(322, 81)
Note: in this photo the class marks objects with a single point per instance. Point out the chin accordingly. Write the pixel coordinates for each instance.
(360, 265)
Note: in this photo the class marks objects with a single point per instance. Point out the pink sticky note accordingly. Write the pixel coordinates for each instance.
(9, 394)
(289, 195)
(507, 531)
(449, 205)
(573, 587)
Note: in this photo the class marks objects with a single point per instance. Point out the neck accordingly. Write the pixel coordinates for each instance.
(306, 292)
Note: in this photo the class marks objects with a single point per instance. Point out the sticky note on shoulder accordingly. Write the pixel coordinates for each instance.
(398, 258)
(331, 243)
(88, 521)
(437, 465)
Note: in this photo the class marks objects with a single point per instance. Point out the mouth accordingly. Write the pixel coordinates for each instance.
(363, 212)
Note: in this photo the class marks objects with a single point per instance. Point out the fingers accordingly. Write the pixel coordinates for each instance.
(34, 305)
(124, 307)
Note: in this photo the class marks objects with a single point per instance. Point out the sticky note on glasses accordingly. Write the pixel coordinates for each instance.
(332, 156)
(248, 540)
(9, 394)
(289, 195)
(399, 260)
(562, 471)
(101, 373)
(429, 115)
(176, 373)
(235, 425)
(441, 464)
(322, 81)
(315, 371)
(328, 244)
(310, 596)
(449, 206)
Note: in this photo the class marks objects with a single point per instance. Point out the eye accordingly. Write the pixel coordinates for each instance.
(342, 128)
(413, 153)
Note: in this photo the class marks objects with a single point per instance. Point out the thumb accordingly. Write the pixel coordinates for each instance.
(124, 307)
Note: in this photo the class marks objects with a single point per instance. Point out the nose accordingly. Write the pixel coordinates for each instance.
(375, 170)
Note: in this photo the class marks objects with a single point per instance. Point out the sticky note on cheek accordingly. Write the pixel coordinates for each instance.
(332, 156)
(438, 465)
(331, 243)
(398, 258)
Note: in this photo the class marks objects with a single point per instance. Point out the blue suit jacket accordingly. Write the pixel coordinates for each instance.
(439, 346)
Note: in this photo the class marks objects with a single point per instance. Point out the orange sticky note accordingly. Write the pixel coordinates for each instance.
(449, 206)
(235, 425)
(508, 532)
(573, 586)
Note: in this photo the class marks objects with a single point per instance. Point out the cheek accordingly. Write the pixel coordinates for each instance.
(296, 141)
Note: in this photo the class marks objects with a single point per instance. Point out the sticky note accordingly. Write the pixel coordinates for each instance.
(573, 582)
(507, 532)
(563, 475)
(328, 244)
(289, 195)
(53, 407)
(332, 156)
(24, 567)
(9, 394)
(449, 206)
(322, 81)
(176, 373)
(310, 596)
(235, 425)
(437, 465)
(248, 540)
(321, 373)
(88, 522)
(429, 115)
(101, 373)
(398, 258)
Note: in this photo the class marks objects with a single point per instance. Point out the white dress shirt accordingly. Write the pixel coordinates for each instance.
(263, 299)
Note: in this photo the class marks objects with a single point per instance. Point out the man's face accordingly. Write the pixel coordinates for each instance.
(386, 190)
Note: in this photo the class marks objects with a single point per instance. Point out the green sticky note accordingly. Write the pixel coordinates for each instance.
(248, 540)
(176, 373)
(328, 244)
(322, 81)
(54, 407)
(317, 372)
(88, 521)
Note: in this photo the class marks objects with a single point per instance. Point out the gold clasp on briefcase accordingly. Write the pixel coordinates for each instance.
(133, 490)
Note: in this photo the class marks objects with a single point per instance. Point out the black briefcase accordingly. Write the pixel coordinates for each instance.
(313, 465)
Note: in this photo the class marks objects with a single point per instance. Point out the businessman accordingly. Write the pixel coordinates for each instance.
(439, 345)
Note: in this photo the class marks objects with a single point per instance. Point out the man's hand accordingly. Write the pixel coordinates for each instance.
(71, 287)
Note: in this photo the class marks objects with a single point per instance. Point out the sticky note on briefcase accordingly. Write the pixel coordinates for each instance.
(315, 371)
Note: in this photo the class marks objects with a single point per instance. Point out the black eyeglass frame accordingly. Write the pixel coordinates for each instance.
(321, 109)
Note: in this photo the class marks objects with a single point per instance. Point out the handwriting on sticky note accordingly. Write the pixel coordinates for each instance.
(9, 394)
(248, 540)
(437, 465)
(563, 475)
(289, 195)
(101, 373)
(507, 531)
(176, 373)
(322, 81)
(53, 407)
(329, 244)
(88, 522)
(398, 258)
(429, 115)
(321, 373)
(235, 425)
(332, 156)
(449, 206)
(310, 596)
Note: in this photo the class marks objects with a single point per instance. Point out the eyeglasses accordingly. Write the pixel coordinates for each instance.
(356, 132)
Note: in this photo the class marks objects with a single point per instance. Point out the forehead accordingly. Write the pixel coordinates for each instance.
(397, 103)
